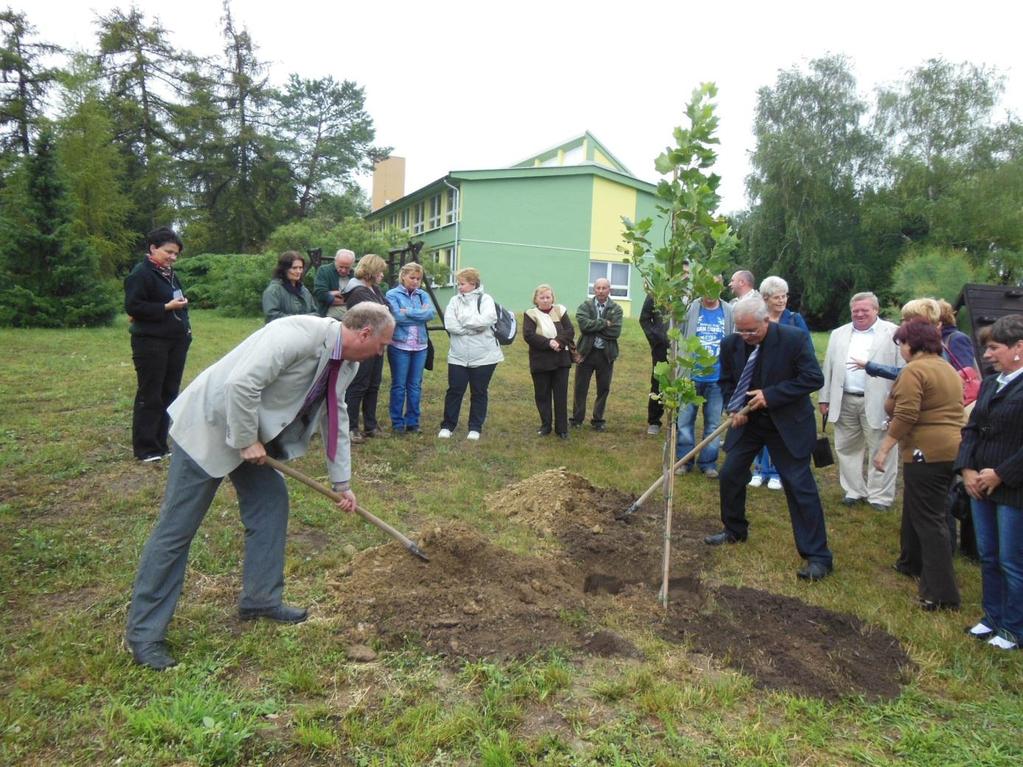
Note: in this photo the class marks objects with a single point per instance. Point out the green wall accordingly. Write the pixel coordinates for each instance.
(550, 213)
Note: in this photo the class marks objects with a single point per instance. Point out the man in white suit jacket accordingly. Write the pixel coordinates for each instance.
(854, 401)
(265, 397)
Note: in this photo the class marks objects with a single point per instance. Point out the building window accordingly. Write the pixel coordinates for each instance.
(435, 212)
(404, 219)
(618, 274)
(418, 217)
(444, 257)
(452, 211)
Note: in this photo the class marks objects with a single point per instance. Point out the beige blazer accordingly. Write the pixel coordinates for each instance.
(883, 351)
(255, 392)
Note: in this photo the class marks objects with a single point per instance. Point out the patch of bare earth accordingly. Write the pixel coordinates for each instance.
(475, 599)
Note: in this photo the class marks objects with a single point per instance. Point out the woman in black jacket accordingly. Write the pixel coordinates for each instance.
(548, 332)
(160, 334)
(364, 390)
(991, 463)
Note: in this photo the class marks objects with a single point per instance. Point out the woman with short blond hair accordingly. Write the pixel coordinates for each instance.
(548, 332)
(364, 390)
(473, 354)
(406, 356)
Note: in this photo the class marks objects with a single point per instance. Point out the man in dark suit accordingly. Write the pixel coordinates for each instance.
(773, 369)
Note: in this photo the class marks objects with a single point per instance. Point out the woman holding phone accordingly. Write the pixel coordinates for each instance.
(160, 335)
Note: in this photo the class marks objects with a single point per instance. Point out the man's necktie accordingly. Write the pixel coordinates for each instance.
(738, 400)
(326, 384)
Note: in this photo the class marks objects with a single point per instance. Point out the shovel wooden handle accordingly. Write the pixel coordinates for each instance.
(324, 490)
(725, 423)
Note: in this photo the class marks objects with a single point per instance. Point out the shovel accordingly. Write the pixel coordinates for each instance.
(725, 423)
(323, 490)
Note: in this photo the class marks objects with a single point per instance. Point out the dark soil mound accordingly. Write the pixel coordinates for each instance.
(474, 599)
(786, 644)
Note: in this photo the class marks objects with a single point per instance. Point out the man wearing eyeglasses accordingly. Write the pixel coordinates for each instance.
(773, 369)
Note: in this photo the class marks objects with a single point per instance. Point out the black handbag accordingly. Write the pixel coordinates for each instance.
(429, 354)
(822, 455)
(957, 502)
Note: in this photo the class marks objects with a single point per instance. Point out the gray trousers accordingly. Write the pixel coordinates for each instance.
(263, 502)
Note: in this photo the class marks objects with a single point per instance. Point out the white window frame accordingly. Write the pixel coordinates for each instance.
(449, 256)
(435, 211)
(405, 219)
(418, 217)
(452, 203)
(618, 290)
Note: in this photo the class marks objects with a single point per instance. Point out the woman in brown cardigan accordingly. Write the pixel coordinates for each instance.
(548, 332)
(925, 408)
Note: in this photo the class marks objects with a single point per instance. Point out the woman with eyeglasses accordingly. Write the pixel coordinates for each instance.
(925, 408)
(286, 295)
(160, 335)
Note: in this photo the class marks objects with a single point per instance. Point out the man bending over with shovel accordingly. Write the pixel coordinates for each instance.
(264, 398)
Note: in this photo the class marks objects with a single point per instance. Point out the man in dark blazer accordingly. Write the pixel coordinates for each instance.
(778, 387)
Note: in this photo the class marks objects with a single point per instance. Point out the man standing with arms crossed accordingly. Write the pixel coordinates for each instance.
(600, 323)
(330, 283)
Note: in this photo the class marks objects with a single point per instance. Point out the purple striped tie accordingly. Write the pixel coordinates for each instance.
(738, 399)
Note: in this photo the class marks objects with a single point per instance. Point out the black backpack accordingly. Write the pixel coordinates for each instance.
(506, 327)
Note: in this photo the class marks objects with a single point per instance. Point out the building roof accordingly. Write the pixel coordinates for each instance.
(533, 167)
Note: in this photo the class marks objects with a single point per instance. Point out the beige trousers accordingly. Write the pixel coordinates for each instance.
(852, 435)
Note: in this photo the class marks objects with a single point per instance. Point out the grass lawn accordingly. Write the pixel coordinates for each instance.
(75, 509)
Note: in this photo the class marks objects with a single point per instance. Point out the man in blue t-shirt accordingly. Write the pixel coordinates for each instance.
(709, 319)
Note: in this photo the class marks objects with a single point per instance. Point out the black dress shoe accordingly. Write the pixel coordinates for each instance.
(930, 606)
(562, 435)
(280, 613)
(814, 571)
(543, 431)
(599, 427)
(901, 570)
(847, 501)
(723, 537)
(152, 655)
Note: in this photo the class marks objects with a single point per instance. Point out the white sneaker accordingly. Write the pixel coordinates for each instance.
(473, 435)
(654, 428)
(757, 481)
(981, 631)
(774, 484)
(1002, 643)
(444, 434)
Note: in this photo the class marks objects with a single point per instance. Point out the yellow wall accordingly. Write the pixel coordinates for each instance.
(610, 202)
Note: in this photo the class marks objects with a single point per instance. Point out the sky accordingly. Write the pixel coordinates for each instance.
(460, 85)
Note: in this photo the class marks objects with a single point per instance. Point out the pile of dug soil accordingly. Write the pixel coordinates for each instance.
(474, 599)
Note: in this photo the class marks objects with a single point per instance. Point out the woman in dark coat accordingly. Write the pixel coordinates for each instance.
(364, 390)
(990, 461)
(548, 332)
(160, 336)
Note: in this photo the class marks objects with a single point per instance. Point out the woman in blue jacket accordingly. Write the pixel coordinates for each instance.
(406, 355)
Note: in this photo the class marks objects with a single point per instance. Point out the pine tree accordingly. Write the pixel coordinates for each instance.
(50, 278)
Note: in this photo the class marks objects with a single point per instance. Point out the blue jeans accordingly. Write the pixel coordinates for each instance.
(686, 440)
(406, 387)
(999, 531)
(764, 466)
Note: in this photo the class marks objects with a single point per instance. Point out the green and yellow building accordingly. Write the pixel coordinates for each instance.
(555, 217)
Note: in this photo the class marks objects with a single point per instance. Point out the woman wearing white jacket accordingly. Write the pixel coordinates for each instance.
(473, 354)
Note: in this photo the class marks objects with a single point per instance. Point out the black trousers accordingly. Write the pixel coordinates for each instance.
(476, 380)
(596, 362)
(363, 392)
(805, 511)
(159, 365)
(926, 548)
(551, 387)
(654, 408)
